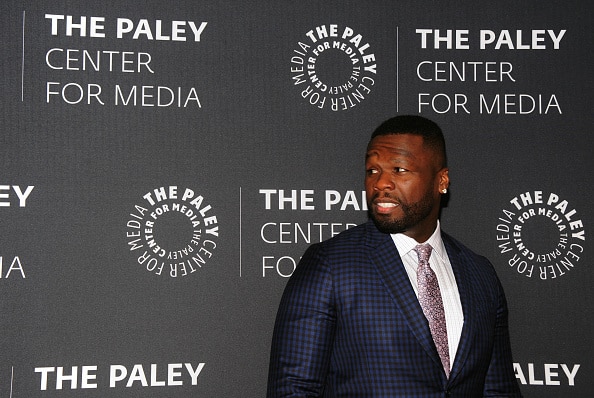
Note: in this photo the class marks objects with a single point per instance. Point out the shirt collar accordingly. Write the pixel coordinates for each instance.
(405, 244)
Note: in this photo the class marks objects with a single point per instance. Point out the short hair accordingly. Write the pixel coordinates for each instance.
(416, 125)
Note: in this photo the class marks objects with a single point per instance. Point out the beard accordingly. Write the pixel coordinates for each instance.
(413, 214)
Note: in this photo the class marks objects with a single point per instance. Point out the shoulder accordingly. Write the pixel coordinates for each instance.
(359, 239)
(475, 267)
(341, 245)
(341, 251)
(351, 237)
(314, 278)
(456, 248)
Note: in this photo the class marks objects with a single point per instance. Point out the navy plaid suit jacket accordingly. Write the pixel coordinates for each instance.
(350, 325)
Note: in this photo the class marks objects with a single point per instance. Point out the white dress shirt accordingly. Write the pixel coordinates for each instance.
(440, 263)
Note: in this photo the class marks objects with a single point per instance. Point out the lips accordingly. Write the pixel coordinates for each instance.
(383, 206)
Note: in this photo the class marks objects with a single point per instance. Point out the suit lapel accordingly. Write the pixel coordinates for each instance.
(460, 266)
(386, 259)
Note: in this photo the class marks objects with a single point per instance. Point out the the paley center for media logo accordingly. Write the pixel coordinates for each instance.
(333, 67)
(172, 232)
(541, 235)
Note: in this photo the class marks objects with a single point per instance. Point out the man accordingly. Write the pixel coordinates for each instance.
(369, 313)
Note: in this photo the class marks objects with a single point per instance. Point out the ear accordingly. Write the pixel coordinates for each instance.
(444, 180)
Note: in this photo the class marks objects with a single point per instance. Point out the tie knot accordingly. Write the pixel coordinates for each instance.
(424, 252)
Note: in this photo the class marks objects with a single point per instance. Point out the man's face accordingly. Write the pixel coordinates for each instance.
(403, 181)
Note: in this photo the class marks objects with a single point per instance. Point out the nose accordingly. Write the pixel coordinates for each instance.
(383, 182)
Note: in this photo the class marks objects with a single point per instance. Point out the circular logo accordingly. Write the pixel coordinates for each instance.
(540, 235)
(173, 232)
(333, 67)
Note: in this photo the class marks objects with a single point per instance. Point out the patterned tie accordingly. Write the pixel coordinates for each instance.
(432, 305)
